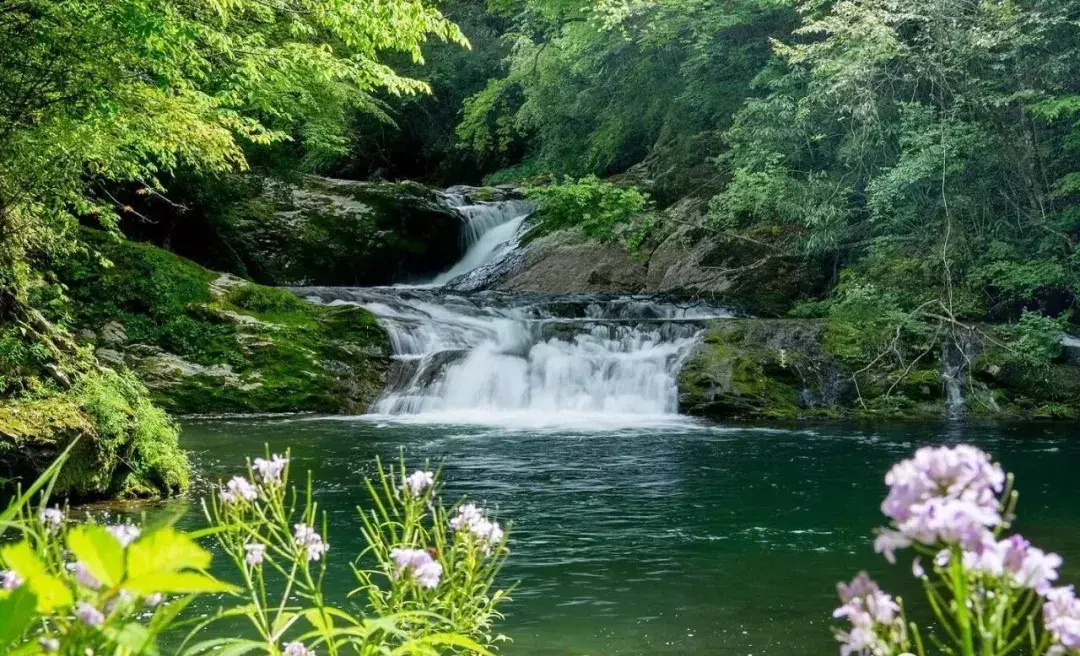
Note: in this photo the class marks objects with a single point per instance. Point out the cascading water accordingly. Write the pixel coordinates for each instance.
(490, 357)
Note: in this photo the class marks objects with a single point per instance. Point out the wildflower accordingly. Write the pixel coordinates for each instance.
(917, 569)
(10, 579)
(154, 600)
(49, 645)
(83, 576)
(89, 615)
(423, 567)
(238, 489)
(310, 539)
(1061, 616)
(297, 649)
(419, 481)
(941, 495)
(256, 551)
(470, 518)
(1014, 557)
(125, 533)
(270, 471)
(52, 518)
(876, 623)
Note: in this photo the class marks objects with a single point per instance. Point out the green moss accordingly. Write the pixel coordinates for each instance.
(260, 349)
(127, 447)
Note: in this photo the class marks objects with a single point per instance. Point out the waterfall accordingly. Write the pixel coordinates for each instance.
(491, 357)
(953, 363)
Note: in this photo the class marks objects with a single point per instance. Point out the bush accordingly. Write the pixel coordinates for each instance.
(601, 210)
(82, 588)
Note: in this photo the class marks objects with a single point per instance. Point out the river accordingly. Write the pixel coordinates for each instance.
(635, 530)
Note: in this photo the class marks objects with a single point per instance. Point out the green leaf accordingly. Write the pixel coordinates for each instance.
(133, 636)
(16, 613)
(100, 551)
(50, 591)
(165, 550)
(177, 583)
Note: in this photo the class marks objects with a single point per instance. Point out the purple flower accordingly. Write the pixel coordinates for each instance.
(1025, 566)
(238, 489)
(917, 569)
(941, 495)
(471, 519)
(53, 519)
(10, 579)
(83, 576)
(308, 538)
(270, 471)
(89, 615)
(297, 649)
(876, 623)
(256, 551)
(419, 481)
(423, 567)
(1061, 616)
(125, 533)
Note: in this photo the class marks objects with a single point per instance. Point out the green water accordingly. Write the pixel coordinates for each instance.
(667, 540)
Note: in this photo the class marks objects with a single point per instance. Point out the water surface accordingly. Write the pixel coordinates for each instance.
(668, 538)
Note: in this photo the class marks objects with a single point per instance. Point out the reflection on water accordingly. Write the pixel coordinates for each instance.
(665, 539)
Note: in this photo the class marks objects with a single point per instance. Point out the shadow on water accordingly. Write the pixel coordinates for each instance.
(662, 539)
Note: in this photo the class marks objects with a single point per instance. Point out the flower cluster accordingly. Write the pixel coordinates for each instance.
(83, 576)
(9, 580)
(238, 489)
(255, 553)
(125, 534)
(423, 567)
(270, 471)
(310, 540)
(52, 519)
(1061, 616)
(89, 615)
(941, 495)
(418, 481)
(471, 519)
(297, 649)
(876, 623)
(1014, 557)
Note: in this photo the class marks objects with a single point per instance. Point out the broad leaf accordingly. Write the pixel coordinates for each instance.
(165, 550)
(100, 551)
(16, 613)
(50, 591)
(176, 583)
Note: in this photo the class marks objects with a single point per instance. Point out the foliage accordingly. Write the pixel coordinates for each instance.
(600, 209)
(81, 587)
(989, 594)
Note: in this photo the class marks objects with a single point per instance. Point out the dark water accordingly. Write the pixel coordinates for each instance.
(665, 540)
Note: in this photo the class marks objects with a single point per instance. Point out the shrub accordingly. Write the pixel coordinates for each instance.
(601, 210)
(80, 588)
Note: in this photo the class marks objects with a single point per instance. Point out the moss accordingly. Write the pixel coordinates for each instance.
(249, 348)
(127, 447)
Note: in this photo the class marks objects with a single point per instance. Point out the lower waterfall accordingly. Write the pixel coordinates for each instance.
(492, 357)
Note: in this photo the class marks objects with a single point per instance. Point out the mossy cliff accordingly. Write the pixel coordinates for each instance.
(204, 342)
(794, 368)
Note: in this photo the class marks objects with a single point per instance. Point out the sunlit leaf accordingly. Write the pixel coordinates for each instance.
(99, 550)
(51, 593)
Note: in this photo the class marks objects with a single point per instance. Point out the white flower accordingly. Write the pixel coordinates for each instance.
(256, 551)
(297, 649)
(49, 645)
(238, 489)
(9, 579)
(310, 539)
(423, 567)
(89, 615)
(419, 481)
(154, 600)
(125, 533)
(53, 519)
(270, 471)
(471, 519)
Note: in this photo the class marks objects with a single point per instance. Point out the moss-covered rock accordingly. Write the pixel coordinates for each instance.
(126, 447)
(791, 368)
(208, 343)
(323, 231)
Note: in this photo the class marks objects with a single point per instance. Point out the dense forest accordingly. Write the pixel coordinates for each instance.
(907, 172)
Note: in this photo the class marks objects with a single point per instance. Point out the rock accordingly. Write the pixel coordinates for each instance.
(225, 283)
(113, 333)
(110, 357)
(325, 231)
(565, 262)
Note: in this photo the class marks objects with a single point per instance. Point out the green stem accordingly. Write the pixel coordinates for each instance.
(963, 618)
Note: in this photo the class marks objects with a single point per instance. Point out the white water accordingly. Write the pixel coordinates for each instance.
(530, 361)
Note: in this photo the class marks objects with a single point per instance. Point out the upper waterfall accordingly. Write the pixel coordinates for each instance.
(525, 359)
